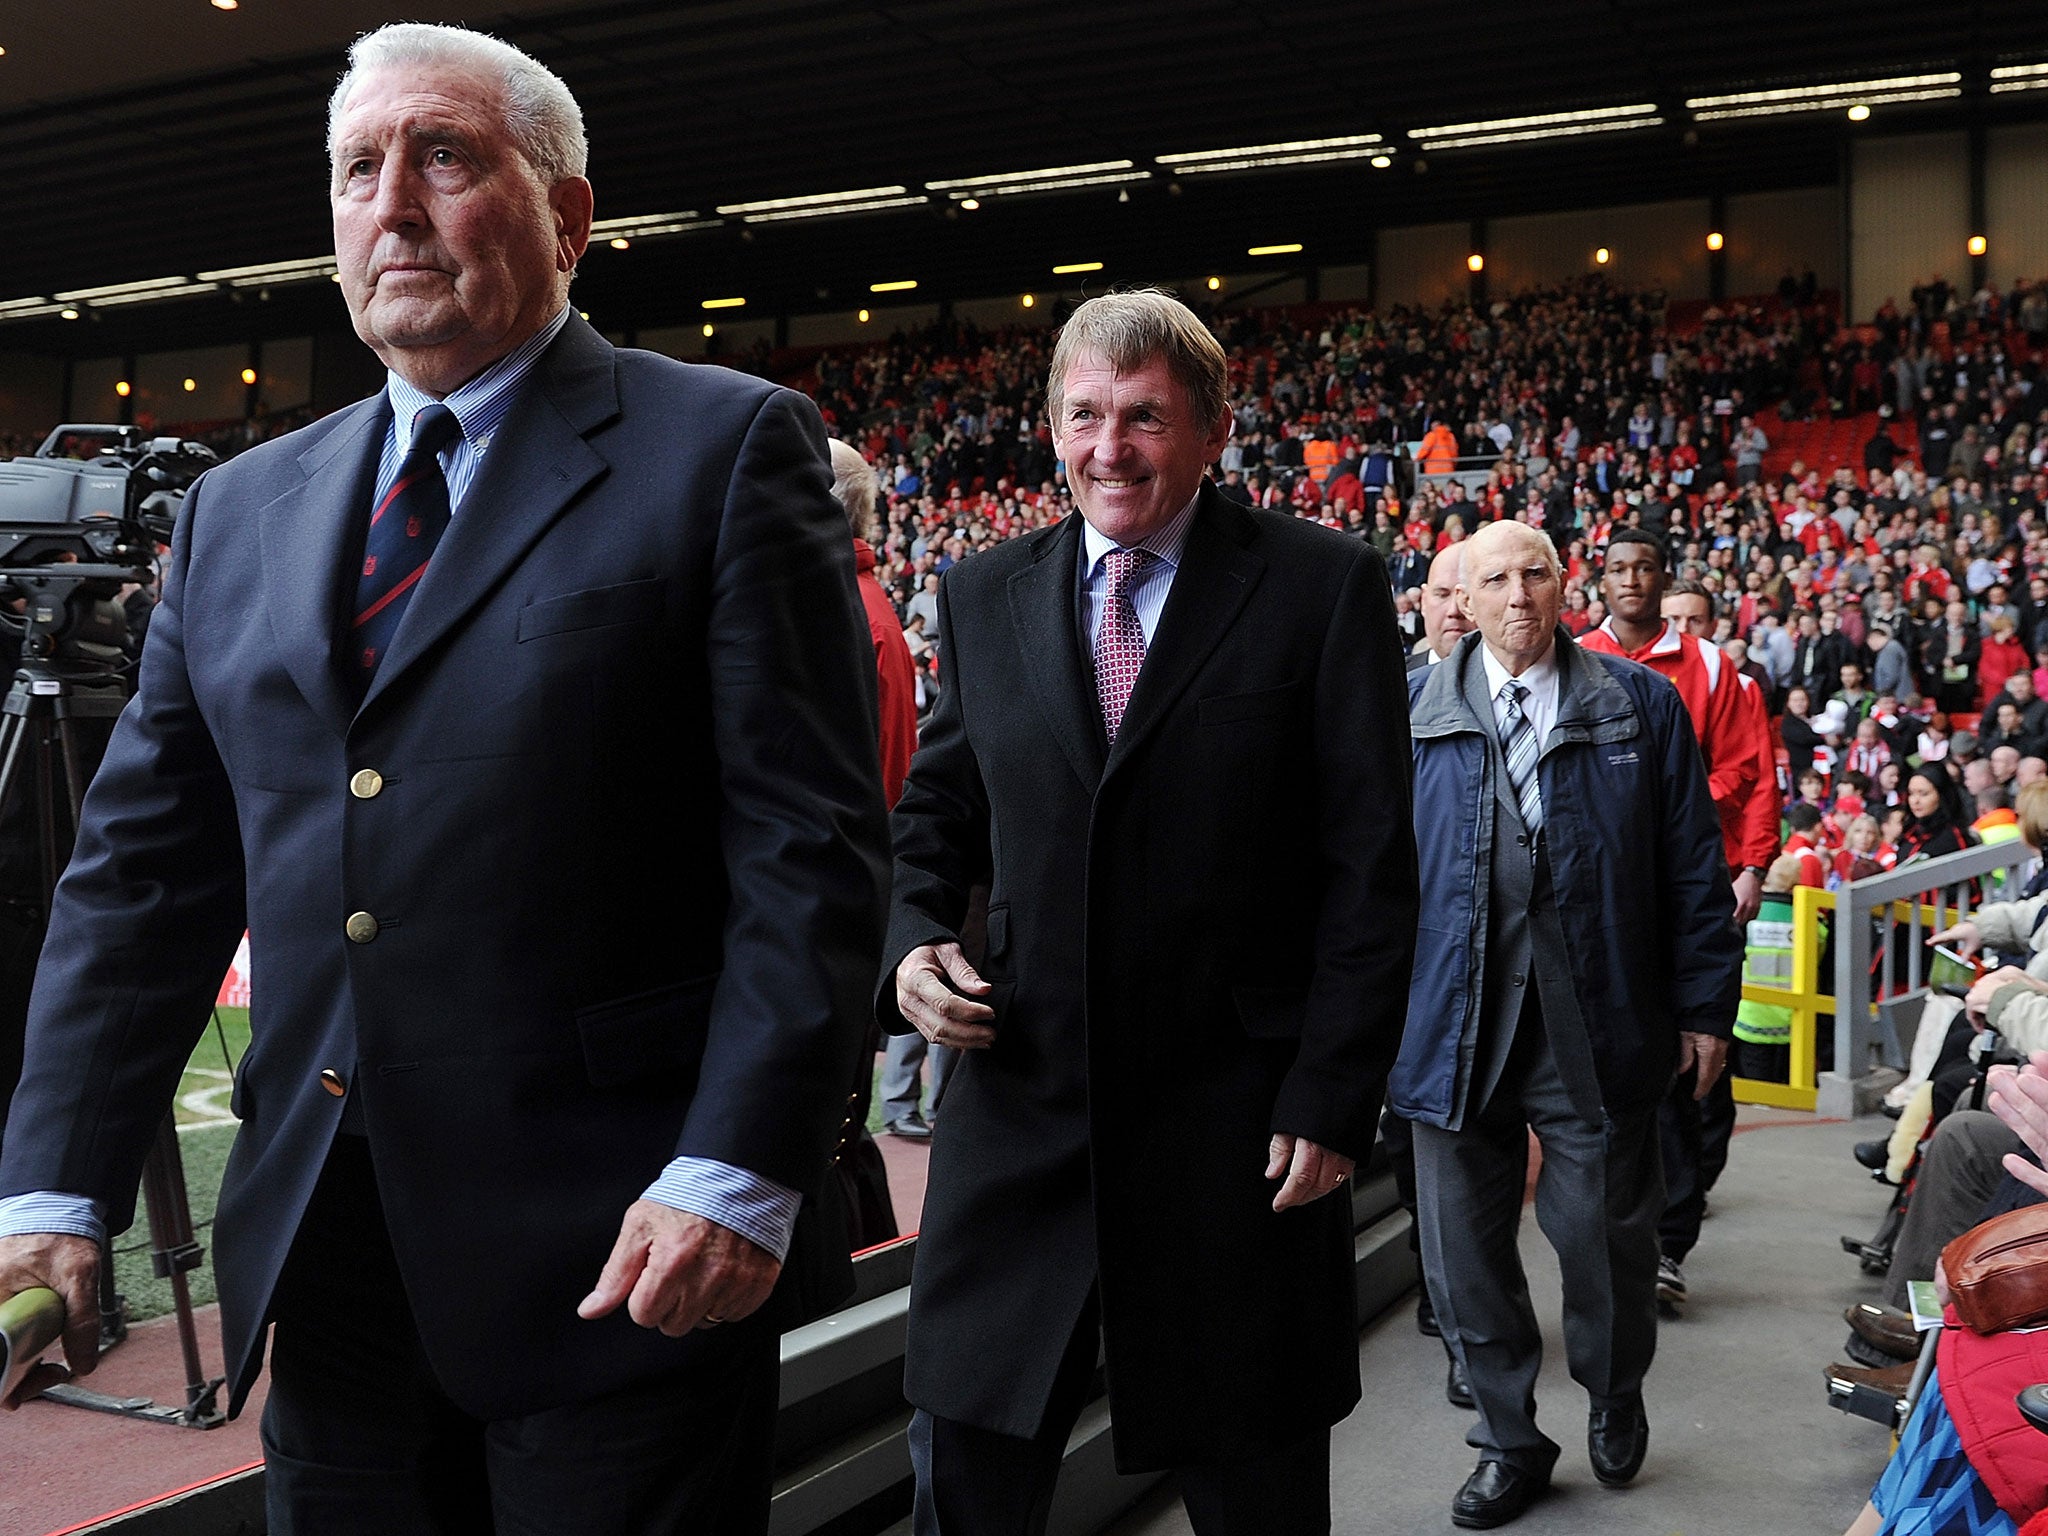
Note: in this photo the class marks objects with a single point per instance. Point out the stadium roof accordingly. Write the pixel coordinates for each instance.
(1174, 134)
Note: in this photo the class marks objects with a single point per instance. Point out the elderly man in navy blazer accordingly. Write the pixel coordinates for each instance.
(524, 715)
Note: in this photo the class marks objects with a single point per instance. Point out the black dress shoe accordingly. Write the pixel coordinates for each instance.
(1873, 1154)
(1458, 1386)
(910, 1128)
(1616, 1441)
(1425, 1316)
(1494, 1494)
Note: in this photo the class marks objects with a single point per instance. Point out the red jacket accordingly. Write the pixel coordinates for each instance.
(898, 688)
(1720, 719)
(1980, 1376)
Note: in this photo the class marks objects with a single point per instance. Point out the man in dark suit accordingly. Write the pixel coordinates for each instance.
(1578, 951)
(1166, 746)
(531, 989)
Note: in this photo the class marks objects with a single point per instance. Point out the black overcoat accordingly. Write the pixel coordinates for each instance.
(1196, 938)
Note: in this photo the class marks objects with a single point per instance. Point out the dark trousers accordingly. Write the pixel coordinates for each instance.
(1597, 1199)
(1693, 1135)
(975, 1482)
(359, 1437)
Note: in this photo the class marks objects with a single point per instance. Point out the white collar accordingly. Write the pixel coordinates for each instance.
(1166, 542)
(1539, 678)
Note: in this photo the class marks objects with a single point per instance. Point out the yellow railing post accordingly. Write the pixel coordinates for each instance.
(1806, 1001)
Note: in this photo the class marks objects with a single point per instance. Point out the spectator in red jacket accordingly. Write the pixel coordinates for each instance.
(2002, 658)
(853, 486)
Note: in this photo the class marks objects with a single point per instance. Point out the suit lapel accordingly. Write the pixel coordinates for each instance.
(538, 462)
(306, 533)
(1042, 611)
(1216, 575)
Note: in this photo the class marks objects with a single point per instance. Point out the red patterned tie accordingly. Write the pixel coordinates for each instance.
(1119, 638)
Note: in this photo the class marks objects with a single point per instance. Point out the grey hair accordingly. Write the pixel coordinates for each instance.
(540, 113)
(853, 486)
(1127, 330)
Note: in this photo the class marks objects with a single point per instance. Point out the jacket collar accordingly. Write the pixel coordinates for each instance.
(1591, 705)
(1216, 575)
(538, 464)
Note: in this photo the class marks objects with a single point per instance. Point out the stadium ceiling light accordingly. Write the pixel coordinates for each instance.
(147, 291)
(2005, 78)
(1381, 161)
(1072, 267)
(723, 304)
(1538, 126)
(649, 226)
(1251, 157)
(821, 205)
(27, 309)
(772, 215)
(227, 5)
(1046, 173)
(1290, 146)
(1714, 240)
(67, 313)
(970, 197)
(710, 330)
(1274, 250)
(273, 273)
(901, 285)
(123, 388)
(863, 317)
(1826, 96)
(248, 375)
(1977, 245)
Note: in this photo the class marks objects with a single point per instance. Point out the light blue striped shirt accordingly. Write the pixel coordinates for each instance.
(758, 1208)
(1154, 581)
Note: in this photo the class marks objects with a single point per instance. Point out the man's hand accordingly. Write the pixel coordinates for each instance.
(677, 1271)
(1312, 1171)
(1966, 937)
(70, 1266)
(1991, 983)
(2019, 1097)
(1708, 1052)
(938, 1010)
(1749, 896)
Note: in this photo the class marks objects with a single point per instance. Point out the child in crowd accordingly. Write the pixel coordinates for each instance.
(1804, 819)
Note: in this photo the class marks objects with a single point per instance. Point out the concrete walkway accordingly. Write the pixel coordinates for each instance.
(1742, 1441)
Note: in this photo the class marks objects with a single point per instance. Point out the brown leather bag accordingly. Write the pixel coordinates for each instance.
(1998, 1271)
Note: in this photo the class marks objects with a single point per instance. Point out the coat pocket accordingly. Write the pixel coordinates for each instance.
(652, 1039)
(1257, 705)
(1271, 1013)
(629, 602)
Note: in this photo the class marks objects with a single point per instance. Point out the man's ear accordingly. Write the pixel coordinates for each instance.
(573, 205)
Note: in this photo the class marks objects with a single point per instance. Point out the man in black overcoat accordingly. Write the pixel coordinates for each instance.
(1173, 747)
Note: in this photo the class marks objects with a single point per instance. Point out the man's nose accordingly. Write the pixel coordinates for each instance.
(398, 198)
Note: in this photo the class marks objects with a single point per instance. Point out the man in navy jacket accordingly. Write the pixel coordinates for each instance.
(564, 899)
(1576, 948)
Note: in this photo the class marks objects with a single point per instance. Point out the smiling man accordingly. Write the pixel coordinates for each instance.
(1165, 744)
(541, 1072)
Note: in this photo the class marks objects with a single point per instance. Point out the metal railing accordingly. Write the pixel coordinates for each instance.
(1881, 927)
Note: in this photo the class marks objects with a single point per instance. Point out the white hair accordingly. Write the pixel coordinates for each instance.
(853, 486)
(540, 114)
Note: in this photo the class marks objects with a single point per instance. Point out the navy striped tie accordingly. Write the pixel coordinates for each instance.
(404, 528)
(1518, 741)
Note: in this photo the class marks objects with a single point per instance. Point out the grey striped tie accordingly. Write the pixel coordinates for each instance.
(1518, 742)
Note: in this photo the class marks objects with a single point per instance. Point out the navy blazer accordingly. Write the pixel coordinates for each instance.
(626, 863)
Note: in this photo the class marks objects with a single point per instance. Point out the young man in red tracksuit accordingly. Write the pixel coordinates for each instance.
(1634, 581)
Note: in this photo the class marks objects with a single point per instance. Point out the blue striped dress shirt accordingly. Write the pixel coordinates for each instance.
(758, 1208)
(1148, 591)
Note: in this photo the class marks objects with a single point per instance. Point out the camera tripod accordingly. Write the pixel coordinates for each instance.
(40, 736)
